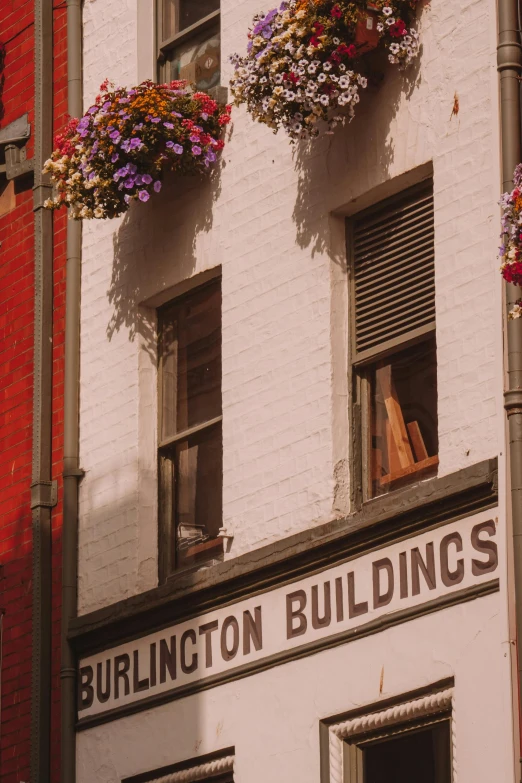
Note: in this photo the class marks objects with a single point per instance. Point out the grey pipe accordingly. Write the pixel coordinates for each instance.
(42, 494)
(509, 63)
(71, 469)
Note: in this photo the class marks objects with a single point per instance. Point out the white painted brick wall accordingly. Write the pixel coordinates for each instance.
(267, 219)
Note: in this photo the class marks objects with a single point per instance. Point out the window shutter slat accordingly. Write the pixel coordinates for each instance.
(394, 270)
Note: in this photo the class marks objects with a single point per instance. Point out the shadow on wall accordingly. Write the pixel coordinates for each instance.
(151, 239)
(360, 152)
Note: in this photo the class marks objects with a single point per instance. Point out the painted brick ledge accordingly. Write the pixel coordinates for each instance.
(405, 512)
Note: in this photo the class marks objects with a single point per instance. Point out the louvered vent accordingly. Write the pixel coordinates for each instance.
(394, 271)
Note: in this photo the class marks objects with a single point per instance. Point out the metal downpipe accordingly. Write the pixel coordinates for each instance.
(71, 471)
(509, 63)
(42, 490)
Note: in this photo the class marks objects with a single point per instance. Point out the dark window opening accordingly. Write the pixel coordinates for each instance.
(421, 756)
(190, 431)
(189, 42)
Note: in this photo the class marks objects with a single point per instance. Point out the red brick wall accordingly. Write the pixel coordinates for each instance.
(16, 398)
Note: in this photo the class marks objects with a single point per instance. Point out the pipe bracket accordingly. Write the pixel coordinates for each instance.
(513, 401)
(73, 473)
(44, 494)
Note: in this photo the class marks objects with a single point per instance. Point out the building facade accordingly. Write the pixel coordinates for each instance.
(32, 312)
(293, 523)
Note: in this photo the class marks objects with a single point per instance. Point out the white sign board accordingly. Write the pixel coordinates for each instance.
(404, 575)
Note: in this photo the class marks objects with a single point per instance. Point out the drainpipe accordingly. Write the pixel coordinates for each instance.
(43, 490)
(71, 468)
(509, 63)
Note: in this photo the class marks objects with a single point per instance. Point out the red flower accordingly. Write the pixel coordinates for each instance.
(512, 273)
(318, 28)
(398, 29)
(291, 77)
(347, 51)
(336, 12)
(314, 41)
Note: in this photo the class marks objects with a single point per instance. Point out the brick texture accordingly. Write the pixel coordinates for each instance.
(16, 401)
(270, 218)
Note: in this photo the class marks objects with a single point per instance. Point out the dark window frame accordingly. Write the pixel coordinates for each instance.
(361, 363)
(353, 749)
(165, 46)
(167, 522)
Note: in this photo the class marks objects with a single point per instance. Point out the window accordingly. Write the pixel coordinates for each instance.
(189, 41)
(419, 755)
(190, 439)
(394, 350)
(402, 743)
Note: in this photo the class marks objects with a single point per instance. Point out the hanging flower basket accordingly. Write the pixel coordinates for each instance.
(510, 251)
(118, 151)
(304, 61)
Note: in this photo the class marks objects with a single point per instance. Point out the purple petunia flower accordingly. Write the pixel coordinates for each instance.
(92, 110)
(194, 137)
(157, 186)
(169, 144)
(127, 198)
(168, 125)
(131, 168)
(204, 115)
(143, 195)
(178, 149)
(114, 157)
(123, 100)
(176, 114)
(135, 144)
(129, 183)
(146, 179)
(211, 156)
(139, 126)
(155, 119)
(196, 150)
(106, 105)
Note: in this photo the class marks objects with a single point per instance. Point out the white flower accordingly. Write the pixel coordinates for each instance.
(312, 68)
(387, 11)
(278, 90)
(380, 27)
(321, 78)
(336, 41)
(344, 82)
(342, 67)
(296, 127)
(98, 212)
(327, 67)
(392, 59)
(363, 81)
(278, 79)
(515, 312)
(407, 39)
(394, 48)
(390, 21)
(289, 95)
(252, 79)
(324, 100)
